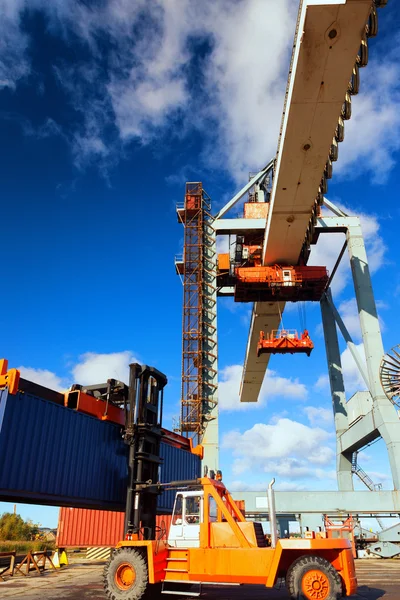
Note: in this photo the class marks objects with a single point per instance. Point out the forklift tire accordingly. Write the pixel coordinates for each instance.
(313, 578)
(125, 575)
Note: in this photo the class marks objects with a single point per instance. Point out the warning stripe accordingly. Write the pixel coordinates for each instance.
(98, 553)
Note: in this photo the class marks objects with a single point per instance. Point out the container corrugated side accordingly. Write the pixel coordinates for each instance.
(178, 465)
(79, 528)
(54, 455)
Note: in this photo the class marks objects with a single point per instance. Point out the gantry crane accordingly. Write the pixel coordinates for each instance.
(279, 222)
(330, 47)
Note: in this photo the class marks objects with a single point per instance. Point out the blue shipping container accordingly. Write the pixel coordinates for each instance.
(55, 455)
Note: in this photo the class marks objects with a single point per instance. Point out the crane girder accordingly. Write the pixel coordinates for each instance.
(327, 41)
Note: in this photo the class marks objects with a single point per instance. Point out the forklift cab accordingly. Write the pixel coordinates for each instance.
(184, 531)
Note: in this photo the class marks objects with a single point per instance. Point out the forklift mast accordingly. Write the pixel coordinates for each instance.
(143, 435)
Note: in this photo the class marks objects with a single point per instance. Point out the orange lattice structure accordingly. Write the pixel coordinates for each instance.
(284, 341)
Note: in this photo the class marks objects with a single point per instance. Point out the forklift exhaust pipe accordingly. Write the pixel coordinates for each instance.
(272, 514)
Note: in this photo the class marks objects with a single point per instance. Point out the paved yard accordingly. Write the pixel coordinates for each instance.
(82, 581)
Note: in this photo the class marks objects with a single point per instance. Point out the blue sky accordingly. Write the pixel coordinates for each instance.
(106, 109)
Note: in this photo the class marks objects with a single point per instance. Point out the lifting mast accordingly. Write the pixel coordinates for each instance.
(143, 434)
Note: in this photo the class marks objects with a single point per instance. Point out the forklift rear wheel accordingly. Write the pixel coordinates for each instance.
(313, 578)
(125, 575)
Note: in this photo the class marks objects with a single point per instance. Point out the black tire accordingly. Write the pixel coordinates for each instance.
(296, 579)
(138, 588)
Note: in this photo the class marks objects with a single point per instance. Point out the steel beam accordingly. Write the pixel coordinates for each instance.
(266, 316)
(318, 81)
(350, 344)
(239, 226)
(324, 502)
(343, 459)
(361, 433)
(370, 328)
(326, 43)
(385, 415)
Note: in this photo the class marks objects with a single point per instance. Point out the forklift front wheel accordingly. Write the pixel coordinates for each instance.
(125, 575)
(313, 578)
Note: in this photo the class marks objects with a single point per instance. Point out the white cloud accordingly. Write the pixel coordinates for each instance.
(148, 82)
(290, 486)
(223, 244)
(327, 250)
(43, 377)
(90, 369)
(325, 253)
(145, 79)
(238, 485)
(349, 313)
(318, 415)
(322, 383)
(13, 44)
(286, 447)
(374, 243)
(97, 368)
(373, 132)
(241, 89)
(273, 386)
(352, 377)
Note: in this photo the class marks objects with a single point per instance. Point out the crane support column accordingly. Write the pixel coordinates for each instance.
(385, 415)
(343, 459)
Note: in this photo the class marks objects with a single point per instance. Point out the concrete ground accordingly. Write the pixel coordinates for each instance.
(82, 581)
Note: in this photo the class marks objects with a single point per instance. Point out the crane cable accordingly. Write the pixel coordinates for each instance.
(281, 326)
(302, 315)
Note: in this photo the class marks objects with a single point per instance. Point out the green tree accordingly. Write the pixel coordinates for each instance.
(14, 528)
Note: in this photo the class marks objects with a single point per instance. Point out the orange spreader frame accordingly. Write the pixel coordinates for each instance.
(284, 341)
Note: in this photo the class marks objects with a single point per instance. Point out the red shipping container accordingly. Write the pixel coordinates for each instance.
(80, 527)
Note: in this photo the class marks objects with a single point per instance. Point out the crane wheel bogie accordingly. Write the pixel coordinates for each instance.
(354, 84)
(372, 27)
(362, 58)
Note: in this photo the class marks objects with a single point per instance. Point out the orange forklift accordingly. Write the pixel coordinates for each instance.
(209, 541)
